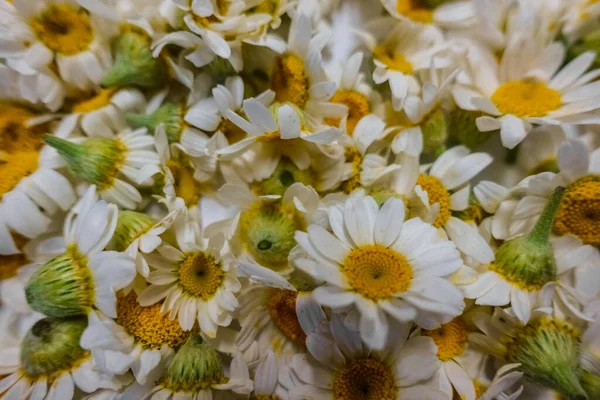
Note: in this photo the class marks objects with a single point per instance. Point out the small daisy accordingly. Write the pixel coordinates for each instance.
(197, 280)
(378, 263)
(105, 162)
(580, 18)
(84, 277)
(448, 14)
(39, 33)
(196, 371)
(49, 364)
(340, 366)
(262, 232)
(143, 338)
(536, 91)
(32, 191)
(399, 49)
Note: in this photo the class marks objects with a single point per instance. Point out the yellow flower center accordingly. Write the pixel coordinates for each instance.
(526, 99)
(15, 167)
(437, 193)
(450, 339)
(15, 135)
(282, 308)
(394, 61)
(358, 106)
(64, 29)
(377, 272)
(147, 325)
(200, 275)
(95, 102)
(10, 264)
(232, 132)
(355, 159)
(289, 80)
(579, 210)
(186, 187)
(414, 10)
(480, 389)
(364, 379)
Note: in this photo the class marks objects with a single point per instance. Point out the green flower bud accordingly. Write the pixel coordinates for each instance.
(591, 384)
(134, 63)
(435, 132)
(283, 177)
(96, 161)
(130, 226)
(529, 260)
(63, 287)
(548, 352)
(195, 366)
(169, 114)
(219, 69)
(462, 128)
(52, 346)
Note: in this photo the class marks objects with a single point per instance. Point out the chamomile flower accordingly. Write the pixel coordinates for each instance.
(400, 48)
(448, 14)
(39, 33)
(377, 263)
(196, 280)
(84, 277)
(31, 189)
(580, 18)
(197, 371)
(340, 366)
(105, 162)
(48, 363)
(527, 86)
(144, 339)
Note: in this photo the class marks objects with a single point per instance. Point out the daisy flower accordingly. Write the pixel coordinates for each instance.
(580, 18)
(39, 33)
(140, 338)
(84, 277)
(386, 267)
(447, 14)
(400, 48)
(49, 364)
(105, 162)
(196, 371)
(197, 280)
(262, 232)
(527, 86)
(32, 191)
(340, 366)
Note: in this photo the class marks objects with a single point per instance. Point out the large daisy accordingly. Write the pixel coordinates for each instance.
(388, 269)
(447, 14)
(40, 33)
(527, 86)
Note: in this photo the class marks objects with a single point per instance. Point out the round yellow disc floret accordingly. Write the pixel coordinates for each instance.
(436, 193)
(450, 339)
(394, 61)
(364, 379)
(200, 275)
(358, 107)
(282, 308)
(289, 80)
(64, 29)
(526, 99)
(95, 102)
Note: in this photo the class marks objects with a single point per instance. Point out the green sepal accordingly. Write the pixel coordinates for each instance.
(130, 225)
(169, 114)
(283, 177)
(435, 132)
(463, 129)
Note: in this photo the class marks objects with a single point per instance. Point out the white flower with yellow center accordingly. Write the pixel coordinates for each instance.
(527, 86)
(197, 281)
(143, 338)
(37, 88)
(342, 367)
(580, 18)
(49, 364)
(39, 33)
(388, 269)
(449, 14)
(84, 277)
(399, 49)
(107, 162)
(31, 190)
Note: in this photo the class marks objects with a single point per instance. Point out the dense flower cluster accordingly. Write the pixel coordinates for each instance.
(299, 199)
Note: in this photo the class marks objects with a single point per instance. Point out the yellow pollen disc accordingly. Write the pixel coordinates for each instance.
(437, 193)
(579, 210)
(15, 167)
(480, 389)
(10, 264)
(64, 29)
(95, 102)
(282, 308)
(392, 60)
(526, 99)
(364, 379)
(358, 106)
(450, 339)
(147, 325)
(15, 136)
(413, 10)
(200, 275)
(353, 157)
(186, 187)
(377, 272)
(289, 80)
(232, 132)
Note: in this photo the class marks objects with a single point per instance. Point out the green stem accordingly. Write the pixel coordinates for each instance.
(541, 230)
